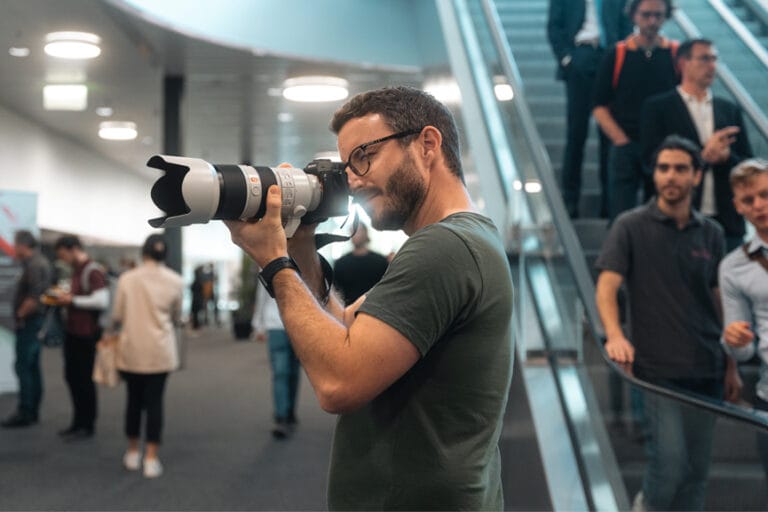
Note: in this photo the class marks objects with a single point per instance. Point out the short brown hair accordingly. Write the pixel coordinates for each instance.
(406, 108)
(632, 5)
(747, 170)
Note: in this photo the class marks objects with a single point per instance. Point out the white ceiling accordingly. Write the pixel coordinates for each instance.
(229, 97)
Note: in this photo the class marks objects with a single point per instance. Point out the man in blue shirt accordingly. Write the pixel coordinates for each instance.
(744, 281)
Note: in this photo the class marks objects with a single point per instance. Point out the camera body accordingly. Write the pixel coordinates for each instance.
(193, 191)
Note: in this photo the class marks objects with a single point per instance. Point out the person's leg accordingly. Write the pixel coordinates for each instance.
(578, 86)
(623, 178)
(665, 450)
(698, 427)
(72, 365)
(154, 391)
(293, 383)
(28, 368)
(762, 438)
(279, 358)
(132, 457)
(89, 403)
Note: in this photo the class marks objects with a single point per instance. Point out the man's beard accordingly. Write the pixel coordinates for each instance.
(404, 193)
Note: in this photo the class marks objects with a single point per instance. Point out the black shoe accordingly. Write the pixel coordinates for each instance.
(67, 431)
(18, 420)
(281, 429)
(79, 434)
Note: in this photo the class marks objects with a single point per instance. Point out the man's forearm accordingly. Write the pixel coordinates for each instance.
(317, 336)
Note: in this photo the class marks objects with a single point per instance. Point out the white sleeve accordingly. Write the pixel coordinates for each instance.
(736, 307)
(98, 299)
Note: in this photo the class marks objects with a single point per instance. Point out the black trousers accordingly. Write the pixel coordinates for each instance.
(79, 354)
(579, 83)
(145, 393)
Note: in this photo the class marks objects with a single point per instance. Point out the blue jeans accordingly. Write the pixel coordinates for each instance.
(285, 374)
(678, 450)
(625, 178)
(28, 366)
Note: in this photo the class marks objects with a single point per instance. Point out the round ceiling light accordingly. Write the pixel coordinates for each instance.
(73, 45)
(117, 130)
(315, 89)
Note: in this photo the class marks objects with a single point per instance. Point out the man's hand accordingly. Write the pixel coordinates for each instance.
(718, 147)
(738, 334)
(263, 240)
(620, 349)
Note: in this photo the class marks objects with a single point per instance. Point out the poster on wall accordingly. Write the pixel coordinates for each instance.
(18, 210)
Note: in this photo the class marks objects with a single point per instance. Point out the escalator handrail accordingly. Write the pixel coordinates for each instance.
(568, 238)
(759, 9)
(572, 247)
(743, 98)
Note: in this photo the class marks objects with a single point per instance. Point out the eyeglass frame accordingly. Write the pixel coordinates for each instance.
(659, 15)
(366, 145)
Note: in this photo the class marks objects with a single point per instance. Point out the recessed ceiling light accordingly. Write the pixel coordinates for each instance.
(73, 45)
(532, 186)
(104, 111)
(65, 97)
(315, 89)
(18, 51)
(117, 130)
(503, 92)
(285, 117)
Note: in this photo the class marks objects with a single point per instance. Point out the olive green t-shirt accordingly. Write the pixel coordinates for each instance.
(430, 441)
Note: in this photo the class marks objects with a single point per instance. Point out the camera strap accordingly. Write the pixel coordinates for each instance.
(323, 239)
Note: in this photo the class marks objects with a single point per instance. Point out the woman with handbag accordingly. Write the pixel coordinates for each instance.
(146, 310)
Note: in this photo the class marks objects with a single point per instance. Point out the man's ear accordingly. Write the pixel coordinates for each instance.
(698, 174)
(431, 141)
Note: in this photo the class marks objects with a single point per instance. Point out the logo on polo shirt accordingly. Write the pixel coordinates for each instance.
(701, 253)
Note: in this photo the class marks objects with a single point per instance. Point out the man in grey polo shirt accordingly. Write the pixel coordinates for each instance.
(744, 282)
(35, 278)
(667, 254)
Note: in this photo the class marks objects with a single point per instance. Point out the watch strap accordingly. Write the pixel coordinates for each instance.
(269, 271)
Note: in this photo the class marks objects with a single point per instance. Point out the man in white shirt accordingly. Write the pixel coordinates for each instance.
(692, 112)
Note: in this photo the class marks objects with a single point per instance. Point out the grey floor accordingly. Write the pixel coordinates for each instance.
(218, 453)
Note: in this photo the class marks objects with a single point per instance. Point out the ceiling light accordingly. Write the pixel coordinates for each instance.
(285, 117)
(73, 45)
(104, 111)
(18, 51)
(444, 90)
(65, 97)
(315, 89)
(533, 187)
(117, 130)
(503, 92)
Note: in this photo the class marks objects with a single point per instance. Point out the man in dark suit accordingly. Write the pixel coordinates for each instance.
(579, 31)
(692, 112)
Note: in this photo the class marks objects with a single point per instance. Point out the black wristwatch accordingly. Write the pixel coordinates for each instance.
(273, 267)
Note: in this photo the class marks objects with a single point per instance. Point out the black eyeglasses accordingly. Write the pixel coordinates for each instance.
(359, 161)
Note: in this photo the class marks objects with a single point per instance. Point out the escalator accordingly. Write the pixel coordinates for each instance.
(568, 442)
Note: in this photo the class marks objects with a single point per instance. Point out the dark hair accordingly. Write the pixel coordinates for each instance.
(680, 144)
(67, 242)
(25, 238)
(632, 5)
(406, 108)
(155, 248)
(685, 49)
(747, 170)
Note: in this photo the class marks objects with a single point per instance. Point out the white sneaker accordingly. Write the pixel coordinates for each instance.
(639, 503)
(132, 460)
(152, 468)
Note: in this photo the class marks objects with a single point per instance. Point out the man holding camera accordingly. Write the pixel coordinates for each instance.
(419, 368)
